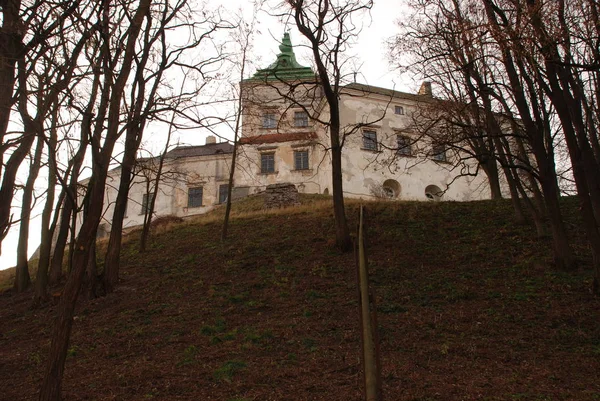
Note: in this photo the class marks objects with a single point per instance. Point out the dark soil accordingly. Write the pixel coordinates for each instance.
(469, 308)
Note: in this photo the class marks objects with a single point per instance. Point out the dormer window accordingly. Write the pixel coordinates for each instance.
(269, 121)
(399, 110)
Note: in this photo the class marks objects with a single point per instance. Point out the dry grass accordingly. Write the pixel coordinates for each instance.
(7, 278)
(469, 308)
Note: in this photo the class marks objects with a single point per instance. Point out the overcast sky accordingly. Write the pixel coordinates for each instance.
(371, 62)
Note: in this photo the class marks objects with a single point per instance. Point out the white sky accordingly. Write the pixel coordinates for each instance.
(371, 60)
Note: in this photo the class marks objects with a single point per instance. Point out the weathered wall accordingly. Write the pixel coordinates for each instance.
(365, 171)
(208, 172)
(282, 140)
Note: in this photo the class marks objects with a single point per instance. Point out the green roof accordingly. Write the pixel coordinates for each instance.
(285, 68)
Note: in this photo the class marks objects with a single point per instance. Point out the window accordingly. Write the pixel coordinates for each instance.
(223, 190)
(195, 197)
(370, 140)
(404, 145)
(433, 193)
(399, 110)
(269, 120)
(390, 189)
(301, 160)
(146, 202)
(267, 163)
(300, 119)
(438, 152)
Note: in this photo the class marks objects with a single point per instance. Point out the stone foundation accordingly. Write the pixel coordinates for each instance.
(281, 195)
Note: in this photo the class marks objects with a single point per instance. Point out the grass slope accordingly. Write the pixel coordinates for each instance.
(469, 309)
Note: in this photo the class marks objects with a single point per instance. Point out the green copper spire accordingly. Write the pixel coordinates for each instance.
(286, 68)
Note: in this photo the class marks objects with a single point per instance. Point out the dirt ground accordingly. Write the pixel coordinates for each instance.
(469, 308)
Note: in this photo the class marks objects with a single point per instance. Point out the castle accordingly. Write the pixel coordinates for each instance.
(285, 138)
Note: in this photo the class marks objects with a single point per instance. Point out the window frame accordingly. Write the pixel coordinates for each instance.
(223, 191)
(369, 143)
(301, 166)
(269, 120)
(270, 169)
(399, 110)
(406, 148)
(439, 152)
(190, 189)
(146, 201)
(303, 119)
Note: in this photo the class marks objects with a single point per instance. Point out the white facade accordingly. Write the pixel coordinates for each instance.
(194, 180)
(374, 164)
(285, 138)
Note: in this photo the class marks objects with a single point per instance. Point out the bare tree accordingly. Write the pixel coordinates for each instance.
(329, 28)
(453, 42)
(23, 37)
(116, 67)
(22, 277)
(554, 67)
(534, 63)
(243, 38)
(149, 101)
(154, 174)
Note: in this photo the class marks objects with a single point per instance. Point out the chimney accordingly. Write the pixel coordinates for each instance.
(211, 139)
(425, 89)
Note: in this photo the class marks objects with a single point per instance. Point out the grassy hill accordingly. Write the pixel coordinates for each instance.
(470, 308)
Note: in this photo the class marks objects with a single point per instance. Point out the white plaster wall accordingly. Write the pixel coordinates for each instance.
(313, 180)
(366, 170)
(260, 99)
(207, 172)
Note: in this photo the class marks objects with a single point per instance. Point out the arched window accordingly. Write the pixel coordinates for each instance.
(434, 193)
(391, 189)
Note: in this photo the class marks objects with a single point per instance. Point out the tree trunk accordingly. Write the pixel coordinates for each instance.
(563, 255)
(110, 276)
(509, 173)
(230, 187)
(147, 217)
(47, 229)
(491, 171)
(8, 182)
(11, 36)
(22, 278)
(56, 264)
(342, 233)
(51, 386)
(41, 280)
(90, 280)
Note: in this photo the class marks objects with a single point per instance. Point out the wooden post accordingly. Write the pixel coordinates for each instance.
(370, 357)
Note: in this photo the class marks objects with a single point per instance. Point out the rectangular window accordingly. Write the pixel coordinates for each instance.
(194, 197)
(438, 152)
(269, 120)
(399, 110)
(267, 163)
(370, 140)
(146, 202)
(223, 190)
(301, 160)
(300, 119)
(404, 146)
